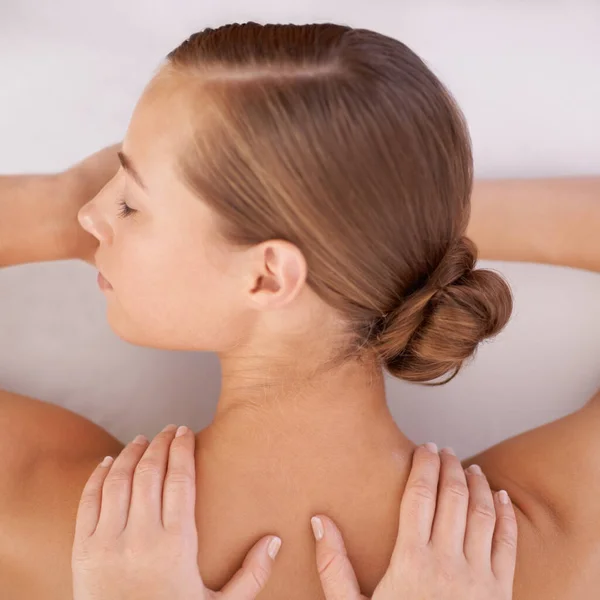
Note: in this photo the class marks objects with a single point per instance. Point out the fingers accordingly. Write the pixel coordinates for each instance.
(148, 480)
(481, 520)
(504, 544)
(453, 501)
(179, 494)
(335, 571)
(248, 582)
(417, 510)
(116, 491)
(90, 504)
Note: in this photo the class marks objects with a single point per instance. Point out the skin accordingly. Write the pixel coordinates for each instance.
(136, 536)
(177, 284)
(46, 206)
(446, 548)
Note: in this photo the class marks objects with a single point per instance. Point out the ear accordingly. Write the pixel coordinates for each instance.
(279, 274)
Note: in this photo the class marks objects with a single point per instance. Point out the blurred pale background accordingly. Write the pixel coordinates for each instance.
(527, 75)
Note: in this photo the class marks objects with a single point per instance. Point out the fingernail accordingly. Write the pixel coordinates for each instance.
(431, 447)
(273, 547)
(317, 527)
(181, 431)
(448, 451)
(474, 470)
(140, 439)
(169, 429)
(108, 460)
(503, 497)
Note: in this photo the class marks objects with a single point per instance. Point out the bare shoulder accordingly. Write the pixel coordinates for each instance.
(36, 434)
(553, 476)
(47, 454)
(552, 471)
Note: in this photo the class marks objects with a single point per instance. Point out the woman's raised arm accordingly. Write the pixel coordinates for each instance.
(552, 221)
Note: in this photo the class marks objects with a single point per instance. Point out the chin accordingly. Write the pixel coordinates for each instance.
(142, 331)
(129, 331)
(143, 334)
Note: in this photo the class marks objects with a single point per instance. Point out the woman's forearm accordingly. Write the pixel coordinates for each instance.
(30, 227)
(552, 221)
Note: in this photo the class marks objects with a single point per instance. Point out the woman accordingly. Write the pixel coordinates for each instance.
(295, 198)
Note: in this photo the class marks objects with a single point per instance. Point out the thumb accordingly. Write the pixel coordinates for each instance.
(335, 571)
(249, 581)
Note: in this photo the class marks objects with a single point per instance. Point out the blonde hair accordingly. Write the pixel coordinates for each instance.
(342, 142)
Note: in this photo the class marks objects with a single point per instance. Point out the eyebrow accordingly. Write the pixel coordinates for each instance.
(128, 166)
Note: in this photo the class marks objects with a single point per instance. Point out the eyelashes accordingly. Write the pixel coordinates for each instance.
(124, 209)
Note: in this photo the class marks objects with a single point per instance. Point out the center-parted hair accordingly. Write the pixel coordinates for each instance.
(344, 143)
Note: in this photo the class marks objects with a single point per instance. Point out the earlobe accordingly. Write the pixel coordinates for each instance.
(281, 276)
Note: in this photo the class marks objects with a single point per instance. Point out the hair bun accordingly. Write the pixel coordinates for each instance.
(437, 328)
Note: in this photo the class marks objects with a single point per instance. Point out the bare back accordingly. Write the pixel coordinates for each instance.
(552, 474)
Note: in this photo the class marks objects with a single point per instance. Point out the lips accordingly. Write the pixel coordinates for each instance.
(103, 284)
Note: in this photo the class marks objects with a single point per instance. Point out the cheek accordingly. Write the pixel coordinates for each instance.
(171, 293)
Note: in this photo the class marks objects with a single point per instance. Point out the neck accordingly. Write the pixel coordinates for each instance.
(283, 403)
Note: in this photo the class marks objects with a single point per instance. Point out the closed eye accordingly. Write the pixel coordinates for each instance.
(124, 209)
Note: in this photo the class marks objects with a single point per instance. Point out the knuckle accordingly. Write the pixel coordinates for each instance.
(260, 576)
(446, 577)
(181, 477)
(257, 577)
(484, 510)
(457, 488)
(133, 554)
(117, 477)
(507, 531)
(148, 468)
(89, 500)
(509, 519)
(82, 554)
(91, 553)
(422, 489)
(508, 540)
(330, 566)
(448, 569)
(426, 460)
(175, 528)
(414, 558)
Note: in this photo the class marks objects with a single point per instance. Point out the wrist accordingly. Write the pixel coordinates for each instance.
(75, 187)
(63, 218)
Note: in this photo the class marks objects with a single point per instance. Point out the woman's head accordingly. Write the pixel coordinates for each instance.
(298, 175)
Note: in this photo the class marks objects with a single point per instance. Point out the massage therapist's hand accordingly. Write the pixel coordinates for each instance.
(80, 184)
(457, 540)
(136, 536)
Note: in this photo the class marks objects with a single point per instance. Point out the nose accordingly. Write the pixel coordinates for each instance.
(91, 219)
